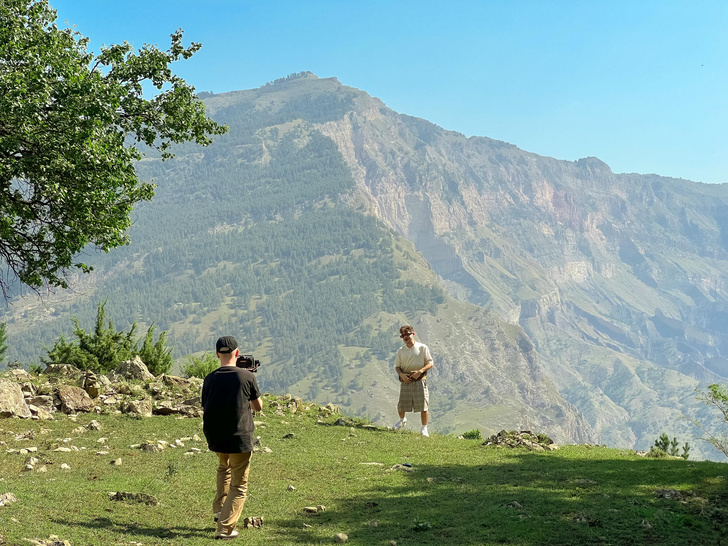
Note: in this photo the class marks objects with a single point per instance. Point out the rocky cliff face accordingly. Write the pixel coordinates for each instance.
(619, 280)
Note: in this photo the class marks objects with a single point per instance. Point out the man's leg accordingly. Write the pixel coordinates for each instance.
(223, 483)
(238, 492)
(424, 417)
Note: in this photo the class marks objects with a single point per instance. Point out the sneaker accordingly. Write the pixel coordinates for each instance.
(400, 424)
(226, 536)
(424, 432)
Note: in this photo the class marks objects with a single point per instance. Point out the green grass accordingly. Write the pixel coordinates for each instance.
(457, 492)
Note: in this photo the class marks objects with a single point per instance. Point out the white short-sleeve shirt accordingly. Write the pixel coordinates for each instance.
(411, 359)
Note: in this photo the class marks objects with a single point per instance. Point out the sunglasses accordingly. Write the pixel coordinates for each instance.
(406, 334)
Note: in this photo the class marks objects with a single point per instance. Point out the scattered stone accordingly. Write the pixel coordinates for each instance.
(402, 467)
(291, 488)
(373, 523)
(12, 401)
(267, 450)
(7, 498)
(256, 522)
(141, 498)
(341, 422)
(515, 504)
(64, 466)
(62, 450)
(116, 462)
(152, 447)
(288, 436)
(524, 438)
(94, 425)
(340, 538)
(373, 464)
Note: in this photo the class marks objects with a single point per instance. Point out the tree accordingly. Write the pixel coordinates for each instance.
(105, 348)
(717, 397)
(3, 340)
(70, 124)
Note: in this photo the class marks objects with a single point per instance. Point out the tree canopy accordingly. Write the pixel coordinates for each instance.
(69, 130)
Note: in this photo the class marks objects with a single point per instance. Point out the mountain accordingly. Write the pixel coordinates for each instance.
(554, 295)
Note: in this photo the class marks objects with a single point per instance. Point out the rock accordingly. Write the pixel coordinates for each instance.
(63, 370)
(116, 462)
(151, 447)
(7, 498)
(90, 383)
(94, 425)
(64, 466)
(249, 522)
(179, 383)
(18, 375)
(74, 399)
(515, 504)
(12, 401)
(42, 401)
(134, 369)
(373, 523)
(137, 407)
(340, 422)
(288, 436)
(291, 488)
(340, 538)
(141, 498)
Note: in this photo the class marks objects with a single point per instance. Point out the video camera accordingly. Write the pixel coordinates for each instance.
(247, 362)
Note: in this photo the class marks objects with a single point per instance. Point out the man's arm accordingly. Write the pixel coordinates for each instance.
(257, 404)
(415, 375)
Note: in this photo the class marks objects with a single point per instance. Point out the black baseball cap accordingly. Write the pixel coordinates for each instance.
(226, 344)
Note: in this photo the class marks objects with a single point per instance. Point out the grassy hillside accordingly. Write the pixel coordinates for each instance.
(455, 492)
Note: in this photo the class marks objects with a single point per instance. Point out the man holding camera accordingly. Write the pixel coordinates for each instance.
(412, 362)
(229, 394)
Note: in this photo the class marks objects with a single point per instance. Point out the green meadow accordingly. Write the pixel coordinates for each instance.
(455, 491)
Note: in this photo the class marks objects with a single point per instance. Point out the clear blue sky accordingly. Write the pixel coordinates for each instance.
(642, 85)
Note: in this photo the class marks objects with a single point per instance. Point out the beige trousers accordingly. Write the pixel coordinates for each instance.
(232, 489)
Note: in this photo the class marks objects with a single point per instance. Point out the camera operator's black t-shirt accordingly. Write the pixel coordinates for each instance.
(227, 420)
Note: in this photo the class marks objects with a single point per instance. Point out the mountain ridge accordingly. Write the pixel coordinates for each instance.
(611, 287)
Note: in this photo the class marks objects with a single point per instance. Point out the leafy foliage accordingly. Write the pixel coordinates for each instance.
(200, 366)
(67, 175)
(105, 348)
(155, 354)
(472, 434)
(716, 397)
(663, 446)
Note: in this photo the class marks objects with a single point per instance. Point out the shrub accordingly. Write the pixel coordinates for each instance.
(472, 434)
(663, 447)
(200, 366)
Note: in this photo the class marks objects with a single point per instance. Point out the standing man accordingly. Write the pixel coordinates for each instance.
(229, 394)
(412, 362)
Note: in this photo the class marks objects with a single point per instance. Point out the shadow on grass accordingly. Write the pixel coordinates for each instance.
(528, 498)
(136, 529)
